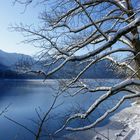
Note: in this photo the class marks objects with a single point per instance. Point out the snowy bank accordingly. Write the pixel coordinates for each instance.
(124, 125)
(131, 117)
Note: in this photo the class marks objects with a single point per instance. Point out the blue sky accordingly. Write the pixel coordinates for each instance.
(9, 14)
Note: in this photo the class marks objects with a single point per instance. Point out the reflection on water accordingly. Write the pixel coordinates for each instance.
(26, 97)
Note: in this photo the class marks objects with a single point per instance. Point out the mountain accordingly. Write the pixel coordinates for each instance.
(14, 65)
(9, 63)
(102, 69)
(3, 67)
(10, 59)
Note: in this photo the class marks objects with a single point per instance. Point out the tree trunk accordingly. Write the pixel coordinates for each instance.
(137, 58)
(136, 44)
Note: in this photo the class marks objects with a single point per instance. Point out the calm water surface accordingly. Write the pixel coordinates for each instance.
(25, 97)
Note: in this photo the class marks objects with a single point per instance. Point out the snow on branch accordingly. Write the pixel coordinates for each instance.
(105, 114)
(114, 90)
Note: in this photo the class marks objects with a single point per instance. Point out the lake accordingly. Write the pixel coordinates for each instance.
(30, 99)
